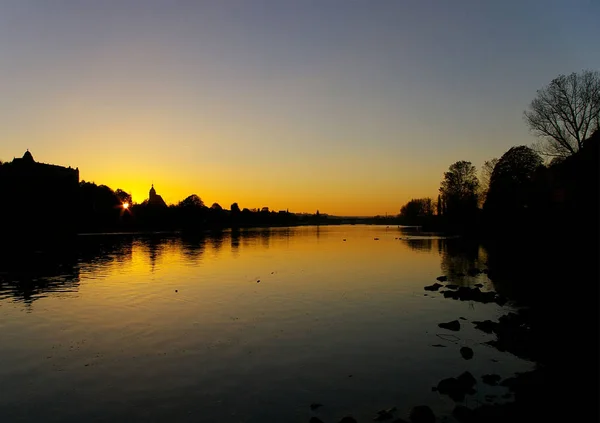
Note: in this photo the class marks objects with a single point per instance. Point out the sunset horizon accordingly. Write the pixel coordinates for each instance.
(349, 110)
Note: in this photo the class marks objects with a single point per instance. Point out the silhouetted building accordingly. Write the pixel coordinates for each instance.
(38, 197)
(154, 199)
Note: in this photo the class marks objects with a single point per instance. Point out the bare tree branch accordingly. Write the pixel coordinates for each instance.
(565, 112)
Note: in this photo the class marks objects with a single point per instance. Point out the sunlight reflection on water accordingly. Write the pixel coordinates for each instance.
(251, 325)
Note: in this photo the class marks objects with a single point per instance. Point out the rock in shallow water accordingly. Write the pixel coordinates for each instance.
(383, 415)
(453, 325)
(466, 352)
(421, 414)
(442, 278)
(463, 414)
(433, 287)
(487, 326)
(457, 388)
(491, 379)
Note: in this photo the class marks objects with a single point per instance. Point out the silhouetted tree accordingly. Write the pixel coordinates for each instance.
(565, 113)
(193, 201)
(216, 206)
(265, 210)
(235, 208)
(98, 206)
(417, 207)
(123, 196)
(485, 175)
(510, 182)
(458, 192)
(439, 205)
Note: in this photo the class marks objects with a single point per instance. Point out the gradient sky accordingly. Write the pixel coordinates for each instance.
(349, 107)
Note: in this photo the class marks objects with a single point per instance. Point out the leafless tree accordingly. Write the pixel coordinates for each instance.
(565, 113)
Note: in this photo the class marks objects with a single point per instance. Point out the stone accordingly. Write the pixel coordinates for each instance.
(454, 325)
(385, 414)
(433, 287)
(421, 414)
(467, 379)
(491, 379)
(442, 278)
(457, 388)
(487, 326)
(463, 414)
(466, 352)
(451, 286)
(450, 294)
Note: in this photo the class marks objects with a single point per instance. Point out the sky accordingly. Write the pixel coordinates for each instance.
(344, 106)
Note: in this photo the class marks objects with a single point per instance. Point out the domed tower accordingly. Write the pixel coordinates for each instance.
(28, 158)
(154, 199)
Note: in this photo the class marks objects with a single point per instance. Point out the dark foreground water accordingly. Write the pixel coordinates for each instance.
(249, 326)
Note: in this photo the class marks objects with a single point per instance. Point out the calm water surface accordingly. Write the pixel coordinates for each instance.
(249, 326)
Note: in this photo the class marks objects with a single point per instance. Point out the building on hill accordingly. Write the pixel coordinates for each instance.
(43, 197)
(154, 199)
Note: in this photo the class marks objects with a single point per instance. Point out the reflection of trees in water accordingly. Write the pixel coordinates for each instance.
(425, 244)
(27, 276)
(416, 239)
(242, 238)
(193, 247)
(265, 237)
(34, 275)
(102, 250)
(235, 240)
(216, 240)
(459, 257)
(154, 246)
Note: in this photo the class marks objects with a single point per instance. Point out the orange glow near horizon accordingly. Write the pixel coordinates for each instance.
(125, 206)
(299, 106)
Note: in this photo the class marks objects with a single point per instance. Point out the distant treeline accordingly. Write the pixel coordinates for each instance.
(33, 206)
(104, 210)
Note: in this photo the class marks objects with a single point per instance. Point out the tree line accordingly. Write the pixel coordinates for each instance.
(102, 209)
(553, 182)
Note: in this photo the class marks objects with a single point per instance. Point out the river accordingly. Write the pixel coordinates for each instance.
(241, 326)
